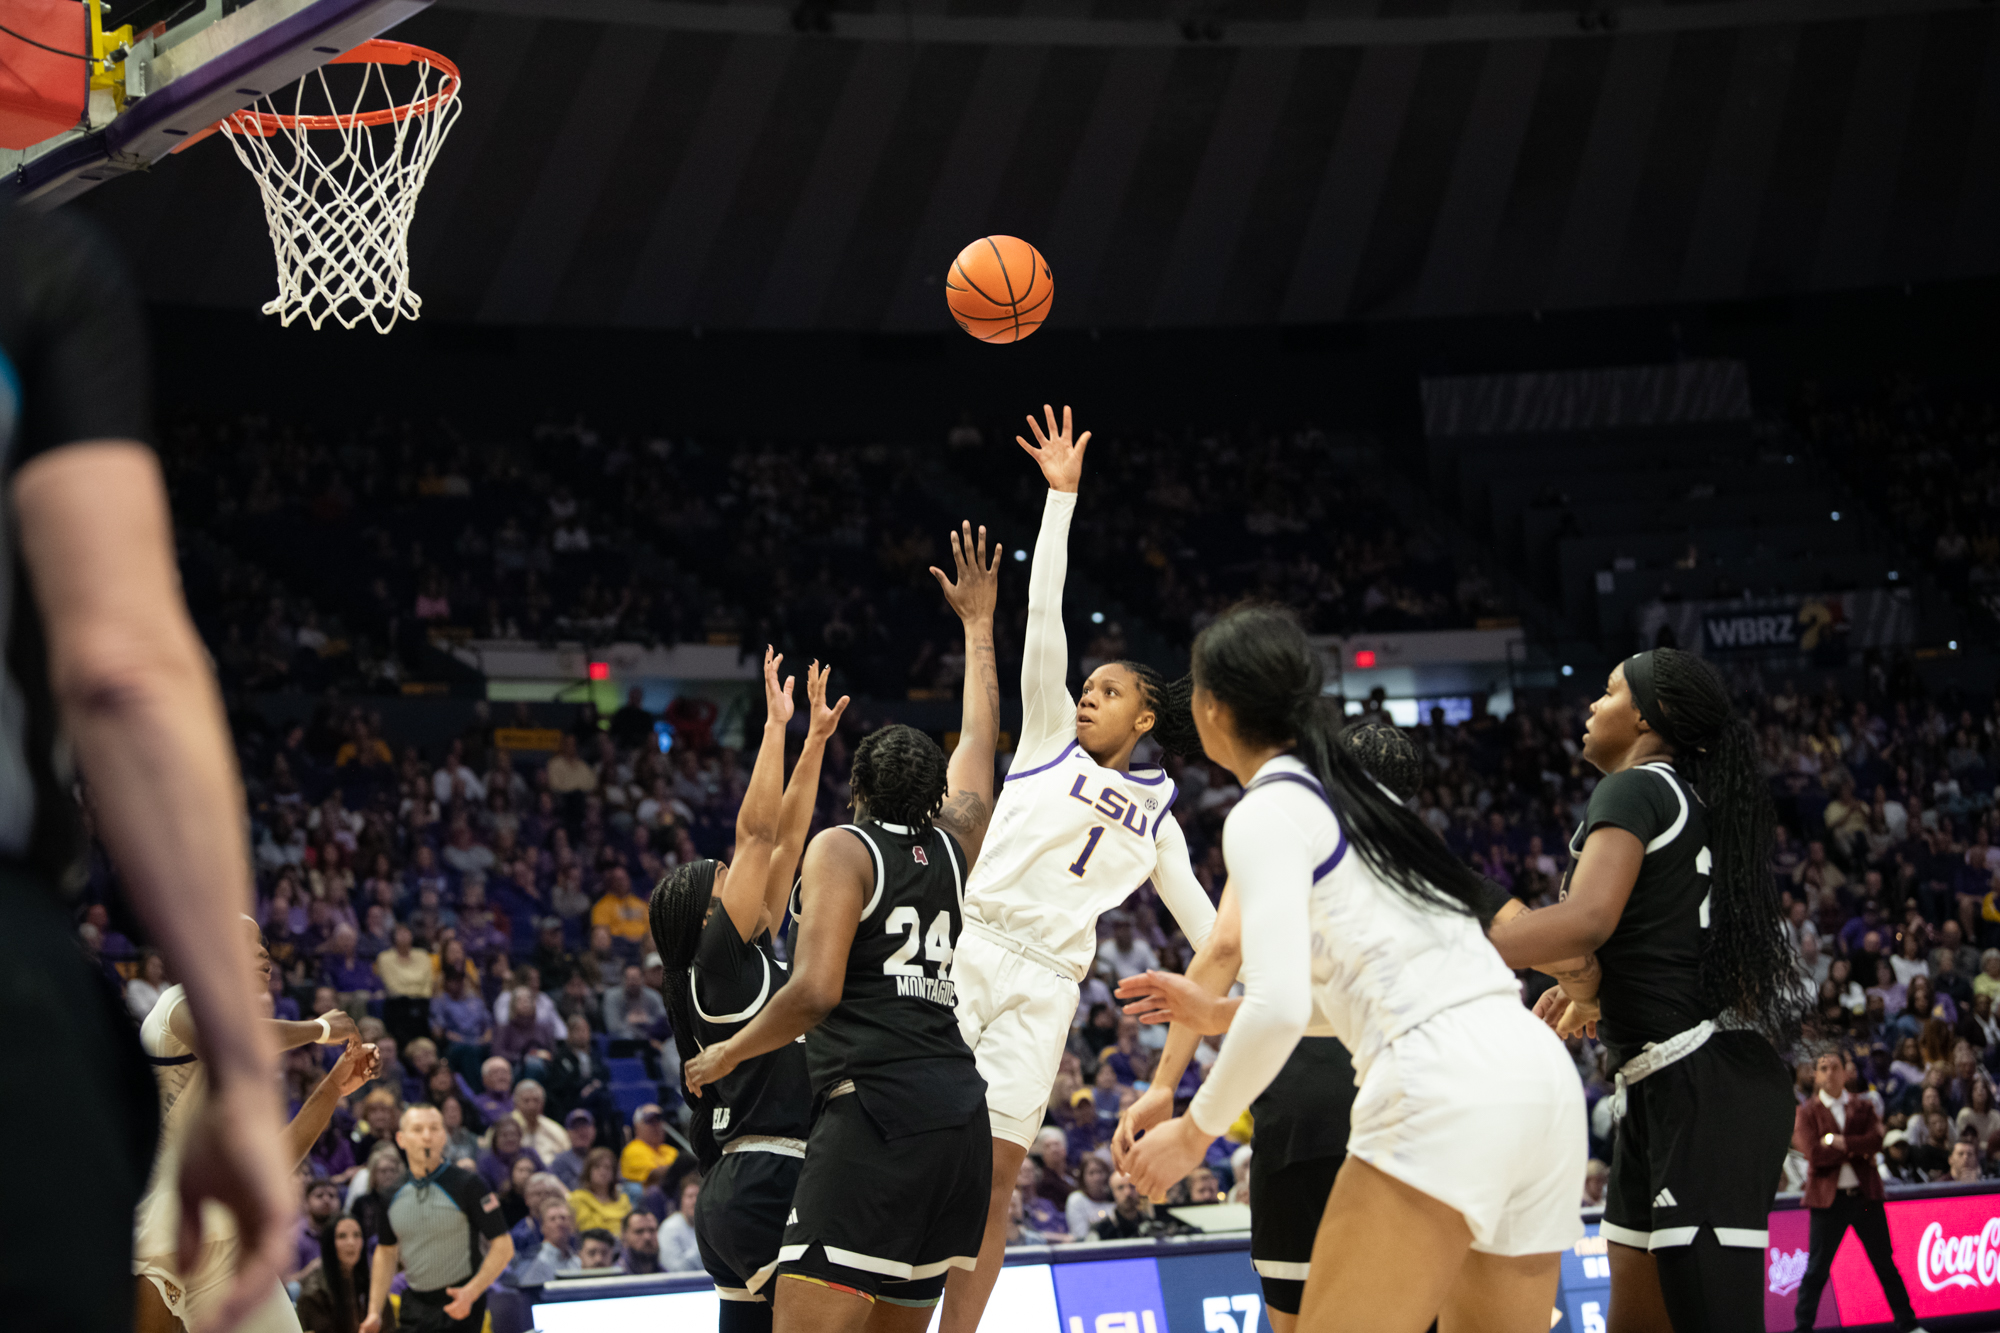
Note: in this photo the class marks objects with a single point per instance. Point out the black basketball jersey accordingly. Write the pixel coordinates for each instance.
(1651, 987)
(730, 983)
(1306, 1111)
(894, 1033)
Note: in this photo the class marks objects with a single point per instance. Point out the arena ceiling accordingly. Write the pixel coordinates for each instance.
(683, 164)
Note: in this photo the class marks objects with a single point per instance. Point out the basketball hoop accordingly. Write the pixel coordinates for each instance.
(340, 187)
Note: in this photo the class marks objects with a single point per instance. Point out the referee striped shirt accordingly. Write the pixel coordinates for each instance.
(436, 1222)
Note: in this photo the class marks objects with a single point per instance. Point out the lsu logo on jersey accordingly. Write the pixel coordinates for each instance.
(1114, 805)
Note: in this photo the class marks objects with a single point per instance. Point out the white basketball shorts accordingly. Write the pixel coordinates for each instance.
(1481, 1109)
(1014, 1011)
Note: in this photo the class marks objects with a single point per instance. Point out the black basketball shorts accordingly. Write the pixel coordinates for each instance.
(888, 1218)
(1287, 1202)
(739, 1219)
(1701, 1144)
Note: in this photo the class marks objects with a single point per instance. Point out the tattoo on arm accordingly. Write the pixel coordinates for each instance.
(967, 810)
(1588, 972)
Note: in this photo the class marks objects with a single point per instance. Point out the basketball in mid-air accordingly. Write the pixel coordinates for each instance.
(999, 289)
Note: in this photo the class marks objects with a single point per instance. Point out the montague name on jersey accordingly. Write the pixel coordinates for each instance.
(938, 990)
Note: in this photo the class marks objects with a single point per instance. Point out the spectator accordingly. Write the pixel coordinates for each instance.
(632, 725)
(598, 965)
(558, 1253)
(1979, 1117)
(678, 1251)
(1052, 1151)
(639, 1243)
(381, 1108)
(461, 1021)
(1987, 983)
(1964, 1162)
(632, 1010)
(529, 978)
(569, 773)
(596, 1248)
(1091, 1201)
(649, 1150)
(143, 991)
(1911, 960)
(455, 782)
(1899, 1161)
(497, 1162)
(549, 1139)
(597, 1201)
(553, 963)
(577, 1075)
(567, 1165)
(461, 1136)
(352, 978)
(408, 982)
(495, 1097)
(1130, 1217)
(333, 1297)
(526, 1234)
(514, 1194)
(620, 911)
(322, 1206)
(1041, 1222)
(524, 1037)
(378, 1186)
(1127, 954)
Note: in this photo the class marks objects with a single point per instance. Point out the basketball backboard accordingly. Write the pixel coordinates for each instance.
(185, 65)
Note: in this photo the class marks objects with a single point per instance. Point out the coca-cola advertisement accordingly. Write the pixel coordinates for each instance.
(1947, 1249)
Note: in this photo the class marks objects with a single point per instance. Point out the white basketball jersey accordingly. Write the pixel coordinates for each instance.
(183, 1088)
(1069, 841)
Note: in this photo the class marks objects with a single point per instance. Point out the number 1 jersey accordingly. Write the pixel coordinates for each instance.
(1070, 840)
(894, 1033)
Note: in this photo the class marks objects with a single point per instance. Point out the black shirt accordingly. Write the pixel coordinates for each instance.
(437, 1221)
(1651, 987)
(895, 1031)
(73, 368)
(730, 983)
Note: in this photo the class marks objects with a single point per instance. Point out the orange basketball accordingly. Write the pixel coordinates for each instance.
(999, 289)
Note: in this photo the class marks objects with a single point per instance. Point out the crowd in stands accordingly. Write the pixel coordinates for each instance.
(1929, 459)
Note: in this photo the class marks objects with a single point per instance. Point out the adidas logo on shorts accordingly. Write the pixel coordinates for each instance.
(1664, 1199)
(792, 1218)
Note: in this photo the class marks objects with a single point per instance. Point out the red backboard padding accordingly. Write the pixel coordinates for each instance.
(42, 93)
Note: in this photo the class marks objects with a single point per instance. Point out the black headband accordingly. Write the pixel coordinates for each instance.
(1645, 695)
(1646, 698)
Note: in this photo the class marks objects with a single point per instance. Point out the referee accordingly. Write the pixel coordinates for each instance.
(438, 1217)
(99, 651)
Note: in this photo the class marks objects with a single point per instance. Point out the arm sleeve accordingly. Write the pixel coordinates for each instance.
(1491, 899)
(481, 1206)
(385, 1232)
(1271, 866)
(1642, 804)
(1179, 889)
(1048, 714)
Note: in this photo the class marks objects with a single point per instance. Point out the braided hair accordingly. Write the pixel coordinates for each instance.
(1746, 963)
(899, 777)
(1256, 659)
(679, 910)
(1172, 702)
(1388, 756)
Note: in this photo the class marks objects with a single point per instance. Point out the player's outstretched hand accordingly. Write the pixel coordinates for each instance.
(232, 1157)
(359, 1063)
(1169, 997)
(711, 1066)
(777, 698)
(1059, 453)
(1151, 1108)
(977, 589)
(1565, 1016)
(823, 718)
(1165, 1156)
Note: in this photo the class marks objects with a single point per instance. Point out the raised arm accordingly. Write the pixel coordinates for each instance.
(757, 819)
(838, 876)
(796, 812)
(357, 1064)
(1048, 714)
(968, 803)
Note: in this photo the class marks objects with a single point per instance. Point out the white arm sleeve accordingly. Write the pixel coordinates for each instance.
(1271, 865)
(1174, 877)
(1048, 714)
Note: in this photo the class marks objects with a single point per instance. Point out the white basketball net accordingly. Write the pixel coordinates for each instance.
(340, 193)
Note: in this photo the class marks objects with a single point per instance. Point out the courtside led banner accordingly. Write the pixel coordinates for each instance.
(1947, 1248)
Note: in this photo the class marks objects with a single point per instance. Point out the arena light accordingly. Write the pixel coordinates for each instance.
(1836, 516)
(1364, 658)
(1568, 670)
(1020, 553)
(600, 671)
(1097, 617)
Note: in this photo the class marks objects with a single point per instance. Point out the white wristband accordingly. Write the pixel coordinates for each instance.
(325, 1033)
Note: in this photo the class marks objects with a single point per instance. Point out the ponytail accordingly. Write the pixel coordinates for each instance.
(1172, 702)
(1747, 967)
(1257, 660)
(679, 909)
